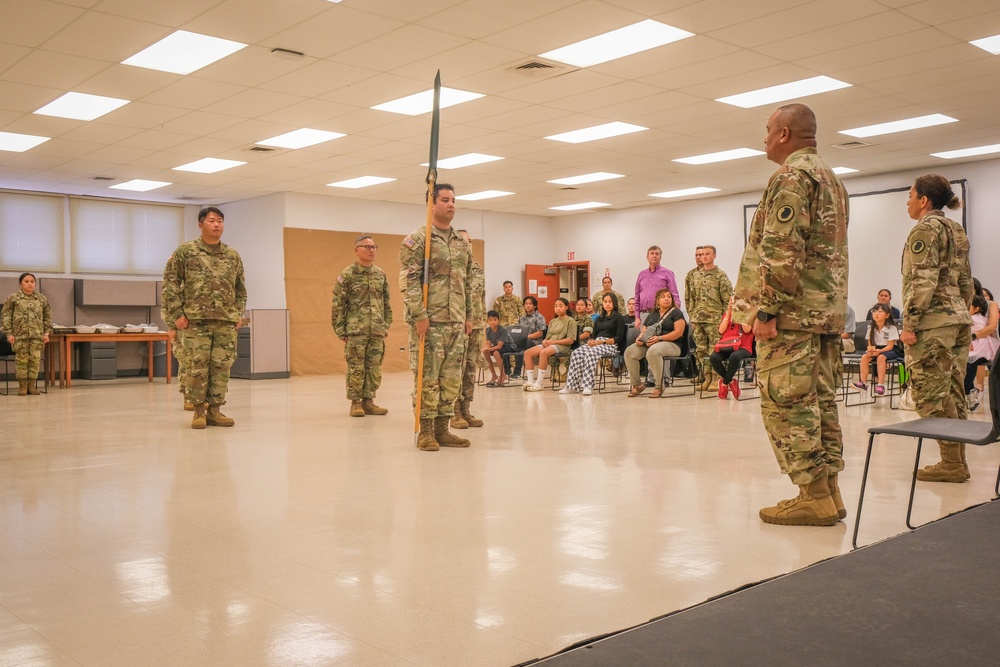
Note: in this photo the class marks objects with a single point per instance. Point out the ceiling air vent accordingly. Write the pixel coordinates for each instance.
(848, 145)
(569, 188)
(102, 178)
(260, 149)
(537, 68)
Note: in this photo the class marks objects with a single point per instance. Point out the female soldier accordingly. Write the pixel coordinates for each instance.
(27, 322)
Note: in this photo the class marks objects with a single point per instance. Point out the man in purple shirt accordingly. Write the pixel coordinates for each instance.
(650, 281)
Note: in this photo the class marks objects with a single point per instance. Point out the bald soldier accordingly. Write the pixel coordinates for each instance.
(446, 320)
(792, 287)
(361, 316)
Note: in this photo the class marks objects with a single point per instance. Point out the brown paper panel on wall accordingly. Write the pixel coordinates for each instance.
(313, 260)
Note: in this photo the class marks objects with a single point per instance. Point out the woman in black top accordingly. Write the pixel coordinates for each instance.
(608, 339)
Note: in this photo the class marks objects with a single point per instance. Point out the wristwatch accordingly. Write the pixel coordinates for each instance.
(764, 317)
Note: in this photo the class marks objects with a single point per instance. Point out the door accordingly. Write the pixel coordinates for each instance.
(542, 282)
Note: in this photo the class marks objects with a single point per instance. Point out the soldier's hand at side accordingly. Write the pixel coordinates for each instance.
(468, 328)
(908, 337)
(10, 339)
(422, 326)
(181, 322)
(765, 330)
(45, 338)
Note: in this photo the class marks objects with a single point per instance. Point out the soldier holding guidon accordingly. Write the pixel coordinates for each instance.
(361, 316)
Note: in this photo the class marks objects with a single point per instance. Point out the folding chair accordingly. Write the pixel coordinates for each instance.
(671, 381)
(852, 362)
(520, 337)
(955, 430)
(601, 382)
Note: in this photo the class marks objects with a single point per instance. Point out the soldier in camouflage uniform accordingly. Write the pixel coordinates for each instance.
(792, 287)
(474, 359)
(27, 323)
(177, 348)
(509, 306)
(706, 292)
(444, 323)
(205, 296)
(361, 316)
(606, 284)
(937, 291)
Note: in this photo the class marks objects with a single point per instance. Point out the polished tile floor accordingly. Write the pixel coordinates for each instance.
(305, 537)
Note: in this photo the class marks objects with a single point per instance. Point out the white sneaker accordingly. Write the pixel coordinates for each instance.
(566, 390)
(973, 400)
(587, 391)
(532, 387)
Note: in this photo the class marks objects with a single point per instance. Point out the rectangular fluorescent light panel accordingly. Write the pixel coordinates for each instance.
(209, 165)
(785, 91)
(485, 194)
(844, 170)
(579, 207)
(300, 138)
(360, 182)
(683, 193)
(466, 160)
(597, 132)
(619, 43)
(183, 52)
(139, 185)
(900, 125)
(968, 152)
(18, 143)
(80, 106)
(721, 156)
(414, 105)
(586, 178)
(991, 44)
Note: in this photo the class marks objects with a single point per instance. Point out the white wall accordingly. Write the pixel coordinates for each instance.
(254, 229)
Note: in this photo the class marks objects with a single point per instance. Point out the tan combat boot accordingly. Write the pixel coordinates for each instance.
(965, 463)
(458, 421)
(216, 418)
(22, 387)
(813, 506)
(838, 501)
(356, 409)
(711, 380)
(30, 386)
(188, 406)
(199, 419)
(467, 415)
(368, 405)
(948, 469)
(425, 439)
(444, 438)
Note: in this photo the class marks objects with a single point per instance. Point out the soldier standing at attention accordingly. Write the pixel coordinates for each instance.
(606, 284)
(937, 327)
(706, 292)
(204, 295)
(508, 305)
(473, 351)
(27, 323)
(361, 316)
(446, 320)
(792, 287)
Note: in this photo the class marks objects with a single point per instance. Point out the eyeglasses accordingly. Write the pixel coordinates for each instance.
(367, 247)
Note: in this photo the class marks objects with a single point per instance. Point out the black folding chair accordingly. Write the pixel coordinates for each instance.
(852, 364)
(673, 382)
(954, 430)
(601, 381)
(520, 337)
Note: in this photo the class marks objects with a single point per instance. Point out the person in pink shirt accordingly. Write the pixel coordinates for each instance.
(650, 281)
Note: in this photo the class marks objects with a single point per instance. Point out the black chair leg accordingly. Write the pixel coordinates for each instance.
(861, 498)
(913, 483)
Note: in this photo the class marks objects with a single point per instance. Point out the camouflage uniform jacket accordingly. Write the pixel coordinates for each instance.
(361, 302)
(477, 288)
(448, 299)
(598, 299)
(795, 262)
(584, 323)
(706, 294)
(510, 308)
(203, 282)
(937, 277)
(26, 316)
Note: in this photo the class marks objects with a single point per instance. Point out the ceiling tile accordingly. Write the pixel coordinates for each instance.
(32, 23)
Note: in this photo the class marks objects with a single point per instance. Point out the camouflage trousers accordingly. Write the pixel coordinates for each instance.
(209, 353)
(474, 360)
(798, 375)
(177, 349)
(364, 365)
(705, 335)
(936, 363)
(444, 354)
(27, 356)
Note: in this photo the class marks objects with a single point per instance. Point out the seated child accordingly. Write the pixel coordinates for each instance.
(559, 338)
(498, 343)
(981, 350)
(882, 339)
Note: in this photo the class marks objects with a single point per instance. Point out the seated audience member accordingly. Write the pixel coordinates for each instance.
(631, 309)
(590, 310)
(992, 315)
(559, 339)
(498, 343)
(883, 336)
(847, 345)
(884, 297)
(608, 339)
(534, 324)
(662, 335)
(728, 355)
(584, 323)
(982, 349)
